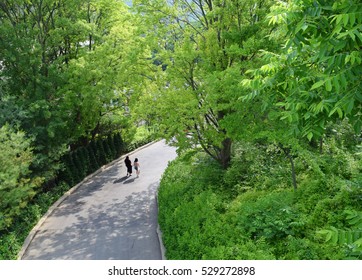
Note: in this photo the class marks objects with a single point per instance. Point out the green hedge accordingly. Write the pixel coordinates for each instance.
(85, 160)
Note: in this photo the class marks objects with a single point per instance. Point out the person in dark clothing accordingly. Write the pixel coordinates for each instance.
(128, 164)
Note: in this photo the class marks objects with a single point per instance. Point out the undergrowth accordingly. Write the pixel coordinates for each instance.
(250, 210)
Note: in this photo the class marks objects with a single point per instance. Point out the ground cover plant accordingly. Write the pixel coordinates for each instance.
(251, 211)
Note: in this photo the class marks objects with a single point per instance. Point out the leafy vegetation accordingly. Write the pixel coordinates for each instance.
(202, 49)
(269, 91)
(274, 95)
(16, 184)
(69, 73)
(249, 211)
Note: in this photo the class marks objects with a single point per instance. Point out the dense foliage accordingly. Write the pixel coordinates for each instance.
(250, 212)
(202, 50)
(269, 90)
(15, 159)
(69, 72)
(315, 79)
(295, 121)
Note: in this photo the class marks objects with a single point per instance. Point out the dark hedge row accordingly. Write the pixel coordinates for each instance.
(85, 160)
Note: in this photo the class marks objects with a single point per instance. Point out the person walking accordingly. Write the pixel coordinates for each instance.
(136, 165)
(128, 164)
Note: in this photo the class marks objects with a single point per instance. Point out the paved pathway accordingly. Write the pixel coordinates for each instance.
(109, 216)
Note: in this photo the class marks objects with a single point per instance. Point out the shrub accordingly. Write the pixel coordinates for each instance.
(118, 144)
(251, 212)
(13, 238)
(100, 152)
(17, 184)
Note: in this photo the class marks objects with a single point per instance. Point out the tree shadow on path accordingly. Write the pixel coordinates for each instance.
(123, 229)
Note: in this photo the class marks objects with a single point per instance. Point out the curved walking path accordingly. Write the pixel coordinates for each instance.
(107, 216)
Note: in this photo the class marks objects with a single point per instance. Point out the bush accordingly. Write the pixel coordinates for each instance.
(100, 152)
(189, 210)
(252, 212)
(17, 184)
(118, 144)
(258, 167)
(13, 238)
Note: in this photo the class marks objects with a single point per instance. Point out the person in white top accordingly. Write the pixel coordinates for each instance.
(136, 166)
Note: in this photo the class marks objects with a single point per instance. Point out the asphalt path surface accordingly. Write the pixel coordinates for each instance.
(109, 216)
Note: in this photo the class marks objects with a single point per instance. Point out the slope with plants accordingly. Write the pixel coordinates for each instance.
(250, 211)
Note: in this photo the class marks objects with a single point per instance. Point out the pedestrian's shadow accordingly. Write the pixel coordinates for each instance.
(129, 181)
(120, 180)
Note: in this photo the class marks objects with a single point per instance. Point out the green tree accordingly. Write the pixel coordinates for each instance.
(101, 153)
(201, 49)
(94, 165)
(111, 146)
(313, 81)
(66, 173)
(37, 40)
(118, 144)
(67, 68)
(17, 185)
(316, 79)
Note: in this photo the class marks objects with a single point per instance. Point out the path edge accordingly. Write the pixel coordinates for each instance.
(35, 229)
(159, 231)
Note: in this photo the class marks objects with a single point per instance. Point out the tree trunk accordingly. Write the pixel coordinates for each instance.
(293, 171)
(290, 157)
(225, 153)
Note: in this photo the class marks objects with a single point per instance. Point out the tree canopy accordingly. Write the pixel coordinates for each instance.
(316, 78)
(67, 71)
(202, 49)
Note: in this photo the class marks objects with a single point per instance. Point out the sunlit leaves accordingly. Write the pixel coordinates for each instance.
(206, 47)
(16, 182)
(350, 238)
(321, 65)
(69, 68)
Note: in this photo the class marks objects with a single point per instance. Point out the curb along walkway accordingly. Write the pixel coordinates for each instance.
(107, 216)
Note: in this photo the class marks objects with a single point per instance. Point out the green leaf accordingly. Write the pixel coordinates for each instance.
(340, 112)
(310, 136)
(326, 233)
(352, 35)
(350, 106)
(343, 81)
(357, 126)
(318, 84)
(345, 19)
(328, 85)
(358, 243)
(335, 235)
(338, 19)
(336, 84)
(349, 237)
(342, 237)
(352, 18)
